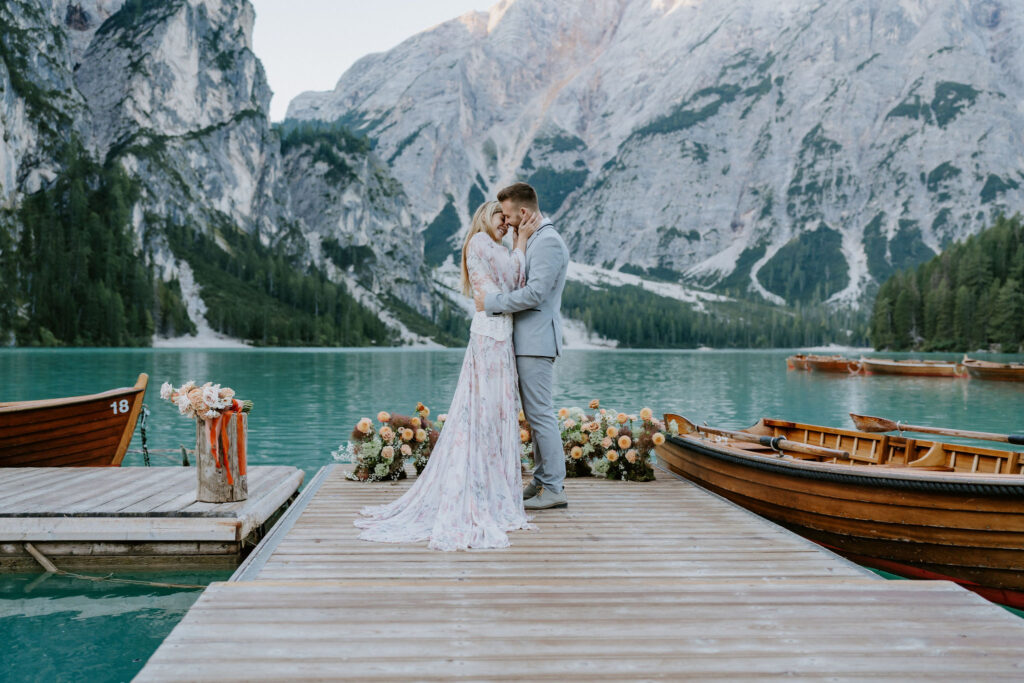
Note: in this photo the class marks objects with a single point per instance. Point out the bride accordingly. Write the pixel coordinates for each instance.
(470, 493)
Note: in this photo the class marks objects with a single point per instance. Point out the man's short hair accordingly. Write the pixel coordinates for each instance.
(521, 194)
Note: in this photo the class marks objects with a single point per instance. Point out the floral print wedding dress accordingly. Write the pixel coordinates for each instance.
(470, 493)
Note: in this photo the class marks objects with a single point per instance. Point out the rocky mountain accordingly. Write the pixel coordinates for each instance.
(796, 150)
(170, 94)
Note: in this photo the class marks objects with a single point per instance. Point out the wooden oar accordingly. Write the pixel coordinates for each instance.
(867, 423)
(774, 442)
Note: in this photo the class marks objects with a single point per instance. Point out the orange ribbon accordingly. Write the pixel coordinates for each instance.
(219, 432)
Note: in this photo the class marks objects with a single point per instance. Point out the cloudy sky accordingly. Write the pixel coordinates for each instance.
(308, 44)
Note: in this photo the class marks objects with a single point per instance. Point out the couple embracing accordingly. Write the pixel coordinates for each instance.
(471, 492)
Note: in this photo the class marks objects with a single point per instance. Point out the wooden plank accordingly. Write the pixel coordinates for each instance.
(659, 580)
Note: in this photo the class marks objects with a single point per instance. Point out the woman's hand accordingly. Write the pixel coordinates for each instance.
(526, 229)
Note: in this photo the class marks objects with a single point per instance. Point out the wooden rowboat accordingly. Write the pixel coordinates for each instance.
(920, 368)
(920, 509)
(837, 364)
(85, 431)
(797, 362)
(983, 369)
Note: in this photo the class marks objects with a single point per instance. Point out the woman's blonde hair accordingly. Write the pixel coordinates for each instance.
(481, 223)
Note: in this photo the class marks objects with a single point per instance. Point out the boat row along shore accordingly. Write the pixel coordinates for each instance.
(968, 367)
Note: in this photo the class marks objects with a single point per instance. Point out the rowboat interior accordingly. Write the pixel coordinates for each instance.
(880, 450)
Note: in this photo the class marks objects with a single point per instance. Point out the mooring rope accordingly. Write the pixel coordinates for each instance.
(142, 428)
(51, 568)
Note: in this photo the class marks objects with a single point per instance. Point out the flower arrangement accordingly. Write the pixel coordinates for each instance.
(604, 442)
(380, 452)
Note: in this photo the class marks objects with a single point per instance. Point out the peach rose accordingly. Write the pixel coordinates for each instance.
(522, 416)
(595, 404)
(421, 435)
(625, 442)
(576, 453)
(383, 416)
(622, 418)
(646, 414)
(422, 410)
(612, 456)
(658, 438)
(386, 433)
(612, 432)
(631, 456)
(442, 417)
(607, 442)
(388, 453)
(406, 449)
(407, 434)
(585, 427)
(415, 422)
(563, 413)
(524, 435)
(365, 425)
(569, 424)
(603, 411)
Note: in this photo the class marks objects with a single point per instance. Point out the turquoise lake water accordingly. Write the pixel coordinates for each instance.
(306, 402)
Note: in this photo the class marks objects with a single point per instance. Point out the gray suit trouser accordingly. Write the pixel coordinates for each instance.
(536, 379)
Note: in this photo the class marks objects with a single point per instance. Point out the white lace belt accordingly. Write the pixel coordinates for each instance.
(494, 326)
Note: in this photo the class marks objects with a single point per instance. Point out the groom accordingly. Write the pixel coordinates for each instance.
(537, 335)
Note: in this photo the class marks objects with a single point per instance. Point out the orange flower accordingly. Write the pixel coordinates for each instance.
(406, 449)
(586, 427)
(563, 413)
(386, 433)
(388, 453)
(612, 456)
(612, 432)
(581, 437)
(407, 434)
(422, 410)
(569, 424)
(622, 418)
(415, 422)
(365, 425)
(646, 414)
(595, 404)
(383, 416)
(603, 411)
(524, 435)
(658, 438)
(421, 435)
(631, 456)
(522, 416)
(576, 453)
(607, 442)
(625, 441)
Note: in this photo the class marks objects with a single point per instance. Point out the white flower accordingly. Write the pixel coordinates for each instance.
(166, 389)
(211, 395)
(188, 386)
(184, 405)
(380, 471)
(210, 414)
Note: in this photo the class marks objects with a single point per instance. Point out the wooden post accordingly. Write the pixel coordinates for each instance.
(212, 474)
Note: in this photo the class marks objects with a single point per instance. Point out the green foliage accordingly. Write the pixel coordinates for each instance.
(170, 314)
(995, 186)
(554, 186)
(328, 143)
(360, 258)
(809, 268)
(905, 249)
(940, 174)
(448, 327)
(404, 143)
(78, 279)
(970, 296)
(476, 198)
(436, 238)
(686, 116)
(641, 319)
(951, 99)
(561, 143)
(266, 297)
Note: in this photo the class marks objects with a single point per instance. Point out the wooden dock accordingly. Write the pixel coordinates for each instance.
(634, 581)
(132, 516)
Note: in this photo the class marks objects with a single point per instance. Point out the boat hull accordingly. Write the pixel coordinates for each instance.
(970, 534)
(797, 362)
(842, 366)
(1001, 372)
(82, 431)
(916, 369)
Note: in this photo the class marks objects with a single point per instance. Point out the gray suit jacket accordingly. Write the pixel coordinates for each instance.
(537, 319)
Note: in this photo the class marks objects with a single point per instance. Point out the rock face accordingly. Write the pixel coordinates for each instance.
(799, 150)
(171, 92)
